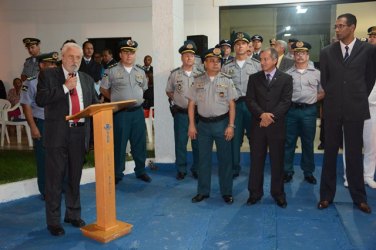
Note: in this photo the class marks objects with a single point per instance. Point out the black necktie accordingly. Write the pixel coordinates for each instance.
(346, 54)
(268, 78)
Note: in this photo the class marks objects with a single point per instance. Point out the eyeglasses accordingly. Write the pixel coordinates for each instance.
(340, 26)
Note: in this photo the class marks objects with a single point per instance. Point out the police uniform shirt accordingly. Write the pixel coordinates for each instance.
(306, 84)
(179, 83)
(28, 93)
(125, 86)
(212, 97)
(31, 67)
(240, 75)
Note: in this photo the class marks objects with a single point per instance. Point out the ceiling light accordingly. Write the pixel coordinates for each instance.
(300, 10)
(288, 28)
(287, 34)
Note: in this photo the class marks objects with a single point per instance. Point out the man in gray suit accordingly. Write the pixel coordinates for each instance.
(347, 77)
(63, 91)
(284, 62)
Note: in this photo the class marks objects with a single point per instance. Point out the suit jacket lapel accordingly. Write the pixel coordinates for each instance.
(338, 52)
(354, 51)
(275, 77)
(84, 87)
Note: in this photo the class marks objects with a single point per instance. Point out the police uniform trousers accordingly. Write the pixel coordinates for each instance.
(369, 141)
(300, 122)
(209, 132)
(353, 134)
(242, 122)
(64, 161)
(181, 123)
(130, 125)
(39, 152)
(272, 137)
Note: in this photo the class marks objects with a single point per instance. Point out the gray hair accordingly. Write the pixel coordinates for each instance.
(69, 46)
(273, 52)
(283, 45)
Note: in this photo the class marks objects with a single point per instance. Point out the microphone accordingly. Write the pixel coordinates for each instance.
(73, 74)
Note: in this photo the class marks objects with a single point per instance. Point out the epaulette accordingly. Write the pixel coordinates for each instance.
(139, 66)
(172, 71)
(226, 75)
(25, 88)
(203, 73)
(112, 65)
(255, 60)
(31, 78)
(229, 61)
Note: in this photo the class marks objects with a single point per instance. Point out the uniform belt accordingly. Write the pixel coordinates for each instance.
(296, 105)
(180, 109)
(76, 124)
(241, 99)
(213, 119)
(133, 109)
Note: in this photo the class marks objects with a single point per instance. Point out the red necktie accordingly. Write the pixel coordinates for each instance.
(75, 103)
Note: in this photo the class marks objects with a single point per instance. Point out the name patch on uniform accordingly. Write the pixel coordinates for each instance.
(139, 77)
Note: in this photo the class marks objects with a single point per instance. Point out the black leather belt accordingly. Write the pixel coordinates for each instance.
(241, 99)
(296, 105)
(76, 124)
(213, 119)
(133, 109)
(180, 109)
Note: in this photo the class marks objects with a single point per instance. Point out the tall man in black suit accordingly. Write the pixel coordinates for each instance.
(347, 77)
(268, 97)
(62, 91)
(88, 65)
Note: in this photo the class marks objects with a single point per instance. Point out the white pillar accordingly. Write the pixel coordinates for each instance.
(168, 36)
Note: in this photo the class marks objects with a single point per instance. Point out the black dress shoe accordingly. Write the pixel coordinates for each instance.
(252, 200)
(228, 199)
(320, 147)
(323, 204)
(56, 230)
(199, 198)
(194, 174)
(180, 176)
(144, 177)
(310, 179)
(281, 202)
(363, 206)
(75, 223)
(287, 178)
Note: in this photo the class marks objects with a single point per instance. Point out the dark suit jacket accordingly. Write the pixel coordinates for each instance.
(51, 96)
(93, 69)
(274, 98)
(286, 64)
(347, 84)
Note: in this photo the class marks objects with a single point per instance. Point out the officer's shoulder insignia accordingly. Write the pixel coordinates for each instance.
(174, 70)
(225, 75)
(255, 60)
(139, 66)
(31, 78)
(112, 65)
(200, 74)
(229, 61)
(25, 87)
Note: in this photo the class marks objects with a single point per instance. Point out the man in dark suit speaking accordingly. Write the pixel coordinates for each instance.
(63, 91)
(347, 77)
(268, 97)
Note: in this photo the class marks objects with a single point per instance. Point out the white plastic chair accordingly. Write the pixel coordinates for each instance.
(4, 105)
(150, 124)
(18, 123)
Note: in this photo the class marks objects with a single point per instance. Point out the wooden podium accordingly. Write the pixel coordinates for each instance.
(106, 228)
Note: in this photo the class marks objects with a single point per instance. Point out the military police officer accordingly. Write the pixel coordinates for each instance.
(301, 117)
(31, 67)
(240, 68)
(179, 81)
(214, 94)
(126, 81)
(35, 115)
(226, 45)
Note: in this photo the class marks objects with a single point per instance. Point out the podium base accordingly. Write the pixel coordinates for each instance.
(94, 232)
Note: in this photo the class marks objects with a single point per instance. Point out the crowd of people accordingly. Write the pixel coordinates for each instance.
(270, 95)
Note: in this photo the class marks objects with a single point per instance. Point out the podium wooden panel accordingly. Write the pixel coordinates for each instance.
(106, 228)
